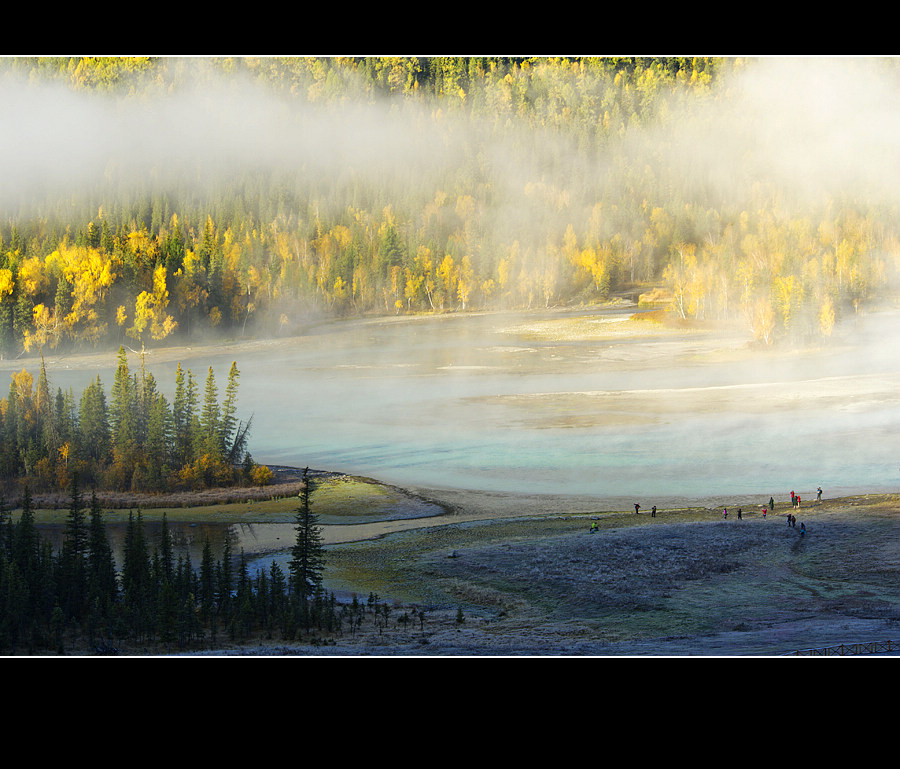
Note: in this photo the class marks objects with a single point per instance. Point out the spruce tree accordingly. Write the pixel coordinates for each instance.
(93, 423)
(227, 419)
(278, 596)
(308, 554)
(123, 408)
(46, 412)
(224, 584)
(166, 554)
(209, 415)
(73, 575)
(181, 420)
(159, 442)
(24, 578)
(136, 576)
(191, 401)
(102, 581)
(207, 582)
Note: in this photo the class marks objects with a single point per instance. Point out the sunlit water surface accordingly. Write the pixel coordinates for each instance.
(499, 403)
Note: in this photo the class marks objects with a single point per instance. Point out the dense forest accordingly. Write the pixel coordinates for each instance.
(158, 200)
(129, 440)
(313, 186)
(78, 599)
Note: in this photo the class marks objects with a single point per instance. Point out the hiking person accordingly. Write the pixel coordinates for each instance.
(636, 508)
(725, 513)
(771, 503)
(653, 512)
(739, 514)
(802, 528)
(764, 512)
(792, 499)
(819, 494)
(593, 526)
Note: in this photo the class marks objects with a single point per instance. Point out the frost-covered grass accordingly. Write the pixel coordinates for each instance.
(686, 582)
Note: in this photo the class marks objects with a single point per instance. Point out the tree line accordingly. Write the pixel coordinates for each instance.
(132, 439)
(79, 598)
(259, 254)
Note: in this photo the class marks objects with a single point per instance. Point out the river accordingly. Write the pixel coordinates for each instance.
(559, 402)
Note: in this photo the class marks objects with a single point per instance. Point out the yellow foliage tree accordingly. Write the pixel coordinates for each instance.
(762, 319)
(150, 310)
(465, 278)
(47, 329)
(90, 272)
(32, 276)
(826, 317)
(7, 283)
(447, 274)
(681, 275)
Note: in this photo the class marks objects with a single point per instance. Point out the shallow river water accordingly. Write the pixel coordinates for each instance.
(562, 403)
(556, 403)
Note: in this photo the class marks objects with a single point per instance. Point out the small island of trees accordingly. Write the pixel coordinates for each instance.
(132, 439)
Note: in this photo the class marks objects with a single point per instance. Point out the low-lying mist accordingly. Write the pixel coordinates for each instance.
(383, 399)
(808, 126)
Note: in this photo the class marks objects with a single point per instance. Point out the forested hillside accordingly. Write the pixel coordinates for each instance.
(162, 199)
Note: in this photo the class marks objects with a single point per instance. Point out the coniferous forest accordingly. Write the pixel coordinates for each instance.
(51, 601)
(156, 201)
(131, 439)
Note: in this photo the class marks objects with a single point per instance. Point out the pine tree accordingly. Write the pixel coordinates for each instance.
(192, 401)
(167, 613)
(93, 423)
(227, 420)
(224, 586)
(46, 412)
(136, 576)
(123, 408)
(159, 443)
(181, 419)
(166, 554)
(209, 415)
(102, 580)
(73, 573)
(308, 554)
(25, 574)
(277, 596)
(6, 532)
(207, 581)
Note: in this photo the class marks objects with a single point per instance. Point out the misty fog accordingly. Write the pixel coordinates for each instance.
(465, 402)
(807, 125)
(479, 402)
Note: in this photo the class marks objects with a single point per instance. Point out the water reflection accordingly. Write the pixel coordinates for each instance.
(259, 542)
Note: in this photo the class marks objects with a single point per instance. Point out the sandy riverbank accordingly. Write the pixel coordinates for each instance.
(466, 505)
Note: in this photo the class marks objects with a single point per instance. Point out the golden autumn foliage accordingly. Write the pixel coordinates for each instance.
(259, 256)
(150, 310)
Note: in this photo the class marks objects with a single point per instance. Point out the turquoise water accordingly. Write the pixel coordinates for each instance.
(474, 402)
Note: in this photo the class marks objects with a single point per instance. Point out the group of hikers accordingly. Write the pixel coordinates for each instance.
(792, 522)
(791, 518)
